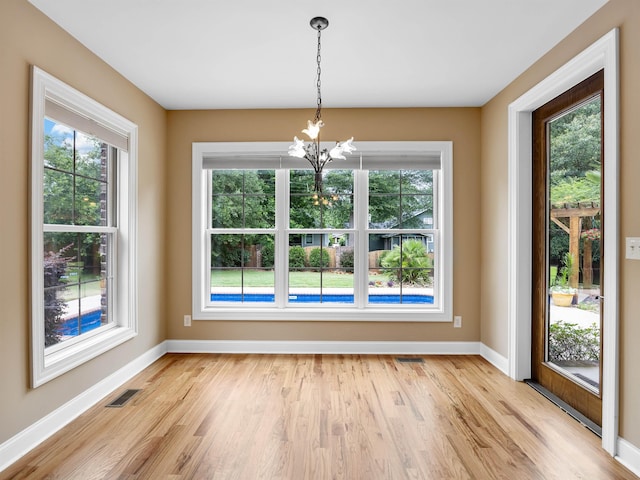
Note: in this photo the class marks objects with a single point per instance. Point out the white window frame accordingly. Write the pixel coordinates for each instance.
(48, 363)
(201, 310)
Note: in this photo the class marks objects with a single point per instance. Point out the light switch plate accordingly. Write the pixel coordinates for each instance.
(632, 250)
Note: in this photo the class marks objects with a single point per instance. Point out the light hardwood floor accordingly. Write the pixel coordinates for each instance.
(300, 417)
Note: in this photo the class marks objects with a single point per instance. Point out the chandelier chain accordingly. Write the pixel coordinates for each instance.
(318, 83)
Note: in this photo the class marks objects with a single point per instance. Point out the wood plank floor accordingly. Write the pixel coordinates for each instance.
(203, 416)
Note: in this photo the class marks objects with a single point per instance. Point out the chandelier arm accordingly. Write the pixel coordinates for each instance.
(326, 160)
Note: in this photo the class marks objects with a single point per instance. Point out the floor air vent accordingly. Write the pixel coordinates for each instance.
(410, 360)
(122, 399)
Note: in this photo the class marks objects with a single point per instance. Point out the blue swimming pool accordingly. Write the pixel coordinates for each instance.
(88, 321)
(329, 298)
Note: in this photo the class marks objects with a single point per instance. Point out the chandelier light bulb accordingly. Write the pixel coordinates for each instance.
(313, 129)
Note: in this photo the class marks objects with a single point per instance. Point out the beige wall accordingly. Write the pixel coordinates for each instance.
(461, 125)
(27, 37)
(624, 14)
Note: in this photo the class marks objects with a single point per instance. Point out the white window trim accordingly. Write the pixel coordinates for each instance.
(46, 366)
(202, 311)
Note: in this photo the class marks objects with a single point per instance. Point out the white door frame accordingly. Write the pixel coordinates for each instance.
(602, 54)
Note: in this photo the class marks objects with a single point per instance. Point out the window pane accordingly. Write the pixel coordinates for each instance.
(259, 251)
(305, 211)
(384, 181)
(401, 199)
(55, 309)
(266, 183)
(384, 211)
(242, 268)
(338, 211)
(75, 279)
(91, 157)
(58, 197)
(243, 199)
(242, 285)
(400, 269)
(227, 211)
(417, 211)
(227, 181)
(321, 286)
(301, 182)
(58, 146)
(226, 251)
(259, 211)
(90, 202)
(331, 209)
(417, 181)
(417, 285)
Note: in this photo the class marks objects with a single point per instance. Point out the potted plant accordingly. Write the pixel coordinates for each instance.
(561, 292)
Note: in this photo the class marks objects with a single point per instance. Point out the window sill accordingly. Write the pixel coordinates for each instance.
(321, 313)
(65, 359)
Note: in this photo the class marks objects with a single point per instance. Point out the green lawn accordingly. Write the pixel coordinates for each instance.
(90, 286)
(265, 278)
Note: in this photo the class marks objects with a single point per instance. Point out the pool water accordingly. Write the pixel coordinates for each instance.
(88, 321)
(315, 298)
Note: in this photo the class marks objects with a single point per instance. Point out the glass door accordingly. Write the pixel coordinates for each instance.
(567, 247)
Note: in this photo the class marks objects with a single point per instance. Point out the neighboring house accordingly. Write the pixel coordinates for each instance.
(420, 219)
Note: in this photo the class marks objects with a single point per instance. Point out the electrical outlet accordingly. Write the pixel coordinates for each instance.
(187, 320)
(457, 321)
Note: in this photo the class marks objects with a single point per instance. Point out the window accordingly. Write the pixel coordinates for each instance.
(83, 228)
(375, 245)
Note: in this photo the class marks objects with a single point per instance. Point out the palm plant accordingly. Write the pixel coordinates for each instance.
(408, 264)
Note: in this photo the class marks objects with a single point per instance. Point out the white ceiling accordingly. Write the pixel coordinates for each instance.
(209, 54)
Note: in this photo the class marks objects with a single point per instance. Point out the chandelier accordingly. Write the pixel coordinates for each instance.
(311, 151)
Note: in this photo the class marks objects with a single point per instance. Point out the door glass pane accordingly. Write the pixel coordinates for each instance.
(574, 243)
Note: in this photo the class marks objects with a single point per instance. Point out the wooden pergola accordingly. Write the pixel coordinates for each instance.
(575, 213)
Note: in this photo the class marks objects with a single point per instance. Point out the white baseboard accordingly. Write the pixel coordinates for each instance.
(326, 347)
(334, 347)
(23, 442)
(20, 444)
(629, 456)
(495, 359)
